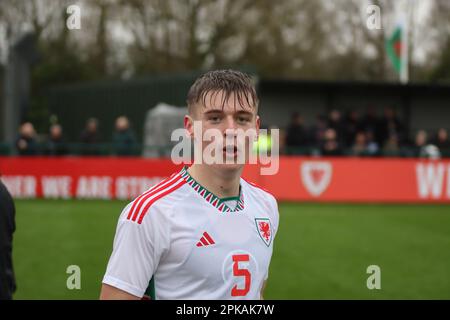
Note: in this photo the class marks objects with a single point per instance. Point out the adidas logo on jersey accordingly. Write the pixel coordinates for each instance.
(205, 240)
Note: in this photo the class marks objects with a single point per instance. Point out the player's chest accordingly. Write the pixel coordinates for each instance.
(217, 245)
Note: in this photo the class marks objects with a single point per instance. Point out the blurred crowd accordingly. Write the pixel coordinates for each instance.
(123, 140)
(333, 134)
(355, 134)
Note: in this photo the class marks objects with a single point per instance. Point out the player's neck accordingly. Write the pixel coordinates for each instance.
(222, 183)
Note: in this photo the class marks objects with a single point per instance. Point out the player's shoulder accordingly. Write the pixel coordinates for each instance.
(259, 192)
(257, 189)
(265, 198)
(156, 201)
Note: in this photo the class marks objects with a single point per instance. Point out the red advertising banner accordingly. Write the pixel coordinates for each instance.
(83, 178)
(298, 178)
(360, 180)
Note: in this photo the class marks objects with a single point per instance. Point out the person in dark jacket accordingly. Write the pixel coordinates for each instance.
(124, 140)
(56, 145)
(26, 143)
(7, 228)
(296, 136)
(90, 139)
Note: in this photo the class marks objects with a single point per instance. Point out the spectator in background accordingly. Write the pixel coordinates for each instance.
(390, 124)
(420, 143)
(26, 143)
(372, 146)
(296, 135)
(441, 141)
(124, 140)
(371, 122)
(352, 126)
(318, 130)
(335, 123)
(90, 138)
(359, 148)
(391, 146)
(330, 145)
(423, 149)
(56, 146)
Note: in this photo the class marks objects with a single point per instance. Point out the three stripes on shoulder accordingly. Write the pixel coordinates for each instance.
(142, 204)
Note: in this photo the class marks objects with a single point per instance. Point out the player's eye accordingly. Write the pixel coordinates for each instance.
(243, 119)
(214, 119)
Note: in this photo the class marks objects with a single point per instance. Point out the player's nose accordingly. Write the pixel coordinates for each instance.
(230, 128)
(230, 123)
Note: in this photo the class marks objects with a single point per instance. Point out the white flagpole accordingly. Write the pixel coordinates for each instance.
(404, 74)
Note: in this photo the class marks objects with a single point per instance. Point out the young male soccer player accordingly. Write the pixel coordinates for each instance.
(203, 233)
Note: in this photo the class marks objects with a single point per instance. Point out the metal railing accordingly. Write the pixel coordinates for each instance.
(110, 149)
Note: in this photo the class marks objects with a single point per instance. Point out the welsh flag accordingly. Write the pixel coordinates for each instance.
(394, 48)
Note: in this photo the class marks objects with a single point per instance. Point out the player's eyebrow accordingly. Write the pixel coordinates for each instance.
(216, 111)
(244, 113)
(213, 112)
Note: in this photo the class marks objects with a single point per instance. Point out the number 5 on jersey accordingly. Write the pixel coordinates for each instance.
(241, 272)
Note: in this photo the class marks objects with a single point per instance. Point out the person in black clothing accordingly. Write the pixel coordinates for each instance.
(330, 145)
(7, 228)
(124, 141)
(352, 126)
(26, 142)
(335, 123)
(420, 142)
(371, 122)
(296, 135)
(390, 124)
(56, 146)
(90, 138)
(442, 141)
(317, 131)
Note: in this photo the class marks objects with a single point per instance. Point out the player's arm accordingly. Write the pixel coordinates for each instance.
(136, 252)
(111, 293)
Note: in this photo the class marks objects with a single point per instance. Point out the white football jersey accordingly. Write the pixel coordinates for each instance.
(179, 241)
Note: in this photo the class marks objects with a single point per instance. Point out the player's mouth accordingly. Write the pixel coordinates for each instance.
(230, 151)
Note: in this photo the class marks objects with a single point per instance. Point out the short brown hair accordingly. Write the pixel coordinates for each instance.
(228, 81)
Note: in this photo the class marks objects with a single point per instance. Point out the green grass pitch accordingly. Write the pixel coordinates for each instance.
(321, 251)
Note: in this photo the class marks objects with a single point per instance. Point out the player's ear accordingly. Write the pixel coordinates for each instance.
(189, 126)
(257, 125)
